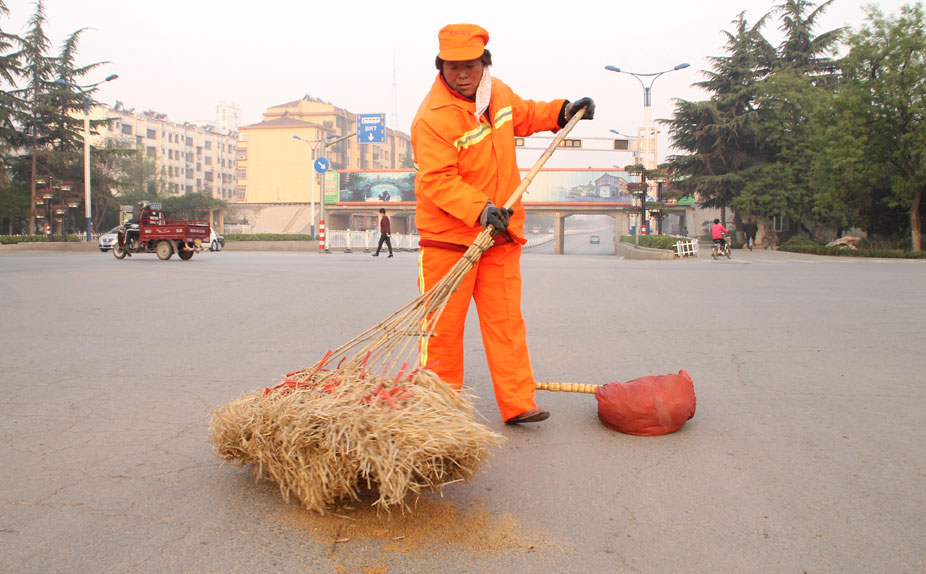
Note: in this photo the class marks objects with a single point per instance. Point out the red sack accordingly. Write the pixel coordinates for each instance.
(648, 406)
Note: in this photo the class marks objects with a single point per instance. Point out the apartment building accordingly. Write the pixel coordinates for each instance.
(189, 156)
(276, 155)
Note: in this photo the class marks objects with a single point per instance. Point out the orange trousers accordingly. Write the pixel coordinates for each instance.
(495, 284)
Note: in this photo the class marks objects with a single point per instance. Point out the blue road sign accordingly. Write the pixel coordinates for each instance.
(371, 128)
(322, 165)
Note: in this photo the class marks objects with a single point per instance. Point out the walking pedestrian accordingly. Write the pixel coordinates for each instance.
(750, 228)
(385, 233)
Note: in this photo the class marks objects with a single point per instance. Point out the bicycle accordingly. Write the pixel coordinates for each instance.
(717, 251)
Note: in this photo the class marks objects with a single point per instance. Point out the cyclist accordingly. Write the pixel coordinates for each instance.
(717, 234)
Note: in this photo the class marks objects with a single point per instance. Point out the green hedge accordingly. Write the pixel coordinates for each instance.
(804, 245)
(653, 241)
(268, 237)
(12, 239)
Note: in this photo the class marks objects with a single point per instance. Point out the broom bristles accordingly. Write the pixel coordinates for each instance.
(327, 440)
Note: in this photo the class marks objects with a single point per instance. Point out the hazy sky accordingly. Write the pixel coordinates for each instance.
(183, 57)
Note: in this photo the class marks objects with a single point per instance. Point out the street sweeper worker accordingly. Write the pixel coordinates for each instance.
(463, 138)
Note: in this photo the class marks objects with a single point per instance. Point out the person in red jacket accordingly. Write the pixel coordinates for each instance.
(463, 138)
(385, 232)
(717, 233)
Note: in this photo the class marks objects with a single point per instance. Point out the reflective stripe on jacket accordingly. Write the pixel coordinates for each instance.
(463, 162)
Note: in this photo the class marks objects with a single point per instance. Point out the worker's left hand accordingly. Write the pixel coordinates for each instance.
(577, 105)
(496, 217)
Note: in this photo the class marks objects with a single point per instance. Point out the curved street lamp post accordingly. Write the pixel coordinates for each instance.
(649, 157)
(83, 90)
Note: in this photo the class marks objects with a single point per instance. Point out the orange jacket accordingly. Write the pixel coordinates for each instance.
(464, 161)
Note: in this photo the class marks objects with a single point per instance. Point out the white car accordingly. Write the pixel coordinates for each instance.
(216, 241)
(108, 239)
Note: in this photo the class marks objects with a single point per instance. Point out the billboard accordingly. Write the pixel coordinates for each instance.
(599, 186)
(376, 186)
(578, 186)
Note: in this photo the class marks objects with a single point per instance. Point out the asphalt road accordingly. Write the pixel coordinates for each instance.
(807, 452)
(578, 242)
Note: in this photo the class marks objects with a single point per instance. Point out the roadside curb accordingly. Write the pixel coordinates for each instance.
(51, 246)
(628, 251)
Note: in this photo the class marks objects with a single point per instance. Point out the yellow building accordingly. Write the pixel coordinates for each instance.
(275, 156)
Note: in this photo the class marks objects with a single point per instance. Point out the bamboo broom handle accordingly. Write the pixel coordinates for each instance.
(543, 158)
(567, 387)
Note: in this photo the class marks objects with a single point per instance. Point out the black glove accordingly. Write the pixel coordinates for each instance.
(497, 217)
(571, 109)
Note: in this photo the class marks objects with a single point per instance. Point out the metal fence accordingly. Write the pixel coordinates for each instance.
(350, 241)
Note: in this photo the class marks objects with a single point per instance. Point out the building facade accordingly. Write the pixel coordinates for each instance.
(276, 156)
(190, 157)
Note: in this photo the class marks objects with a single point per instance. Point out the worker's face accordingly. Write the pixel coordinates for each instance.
(464, 77)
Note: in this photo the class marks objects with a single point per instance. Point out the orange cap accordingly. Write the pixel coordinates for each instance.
(461, 42)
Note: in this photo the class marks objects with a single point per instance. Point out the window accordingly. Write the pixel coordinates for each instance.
(208, 160)
(170, 154)
(152, 134)
(208, 144)
(189, 141)
(780, 223)
(152, 151)
(242, 174)
(127, 129)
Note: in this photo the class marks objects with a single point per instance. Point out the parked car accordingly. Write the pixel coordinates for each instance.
(594, 239)
(108, 239)
(216, 241)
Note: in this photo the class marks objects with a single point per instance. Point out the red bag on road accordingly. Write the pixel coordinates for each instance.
(648, 406)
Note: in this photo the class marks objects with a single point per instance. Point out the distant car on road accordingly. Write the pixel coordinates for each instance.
(108, 239)
(216, 241)
(594, 239)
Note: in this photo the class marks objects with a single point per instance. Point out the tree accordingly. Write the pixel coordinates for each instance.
(722, 135)
(880, 118)
(39, 117)
(802, 75)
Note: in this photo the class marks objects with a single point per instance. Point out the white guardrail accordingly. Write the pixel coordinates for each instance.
(686, 248)
(349, 241)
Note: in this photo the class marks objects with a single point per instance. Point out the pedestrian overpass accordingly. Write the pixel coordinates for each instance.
(353, 199)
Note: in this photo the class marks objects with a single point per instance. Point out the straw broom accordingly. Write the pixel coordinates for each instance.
(359, 420)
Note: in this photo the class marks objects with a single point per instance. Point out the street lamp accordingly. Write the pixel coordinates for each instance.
(83, 90)
(647, 108)
(639, 189)
(56, 197)
(325, 143)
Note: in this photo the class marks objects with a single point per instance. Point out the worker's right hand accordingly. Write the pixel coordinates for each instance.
(497, 217)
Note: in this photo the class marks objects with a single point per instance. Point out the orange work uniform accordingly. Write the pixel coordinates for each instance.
(463, 162)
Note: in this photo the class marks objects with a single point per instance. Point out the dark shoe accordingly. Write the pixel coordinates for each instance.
(390, 255)
(531, 416)
(376, 255)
